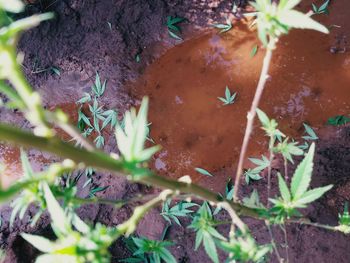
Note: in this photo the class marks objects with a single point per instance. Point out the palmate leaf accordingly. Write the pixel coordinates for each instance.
(210, 247)
(302, 176)
(312, 195)
(311, 135)
(131, 140)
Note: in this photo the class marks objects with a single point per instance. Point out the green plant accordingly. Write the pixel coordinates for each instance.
(254, 51)
(173, 28)
(323, 9)
(338, 120)
(229, 98)
(77, 241)
(224, 27)
(181, 209)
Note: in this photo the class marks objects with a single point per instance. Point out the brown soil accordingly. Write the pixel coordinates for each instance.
(309, 83)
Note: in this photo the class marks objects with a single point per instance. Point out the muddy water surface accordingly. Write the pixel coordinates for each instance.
(309, 82)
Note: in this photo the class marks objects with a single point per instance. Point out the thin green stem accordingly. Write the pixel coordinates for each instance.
(103, 161)
(273, 243)
(251, 115)
(269, 170)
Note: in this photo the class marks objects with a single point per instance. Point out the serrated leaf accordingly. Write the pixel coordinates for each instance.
(263, 117)
(210, 248)
(282, 185)
(312, 195)
(310, 132)
(302, 176)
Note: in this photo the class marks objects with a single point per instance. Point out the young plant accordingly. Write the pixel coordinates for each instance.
(229, 98)
(323, 9)
(98, 88)
(338, 120)
(204, 225)
(173, 28)
(310, 133)
(251, 174)
(298, 195)
(224, 27)
(181, 209)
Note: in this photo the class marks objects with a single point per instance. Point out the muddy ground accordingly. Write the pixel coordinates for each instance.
(80, 42)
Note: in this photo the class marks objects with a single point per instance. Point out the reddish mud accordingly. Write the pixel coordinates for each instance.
(308, 83)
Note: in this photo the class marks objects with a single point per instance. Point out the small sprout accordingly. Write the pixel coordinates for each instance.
(229, 98)
(344, 220)
(338, 120)
(254, 51)
(138, 58)
(109, 25)
(98, 88)
(96, 190)
(323, 9)
(173, 28)
(99, 141)
(97, 114)
(224, 27)
(203, 171)
(55, 70)
(251, 174)
(288, 149)
(111, 117)
(182, 209)
(311, 135)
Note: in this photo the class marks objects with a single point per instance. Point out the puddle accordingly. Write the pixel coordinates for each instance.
(309, 83)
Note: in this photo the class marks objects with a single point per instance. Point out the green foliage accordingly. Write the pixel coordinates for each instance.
(323, 9)
(288, 149)
(338, 120)
(311, 135)
(84, 245)
(253, 201)
(251, 174)
(203, 224)
(243, 248)
(131, 140)
(229, 98)
(173, 27)
(229, 190)
(273, 19)
(269, 126)
(254, 51)
(297, 196)
(98, 88)
(203, 171)
(344, 220)
(155, 251)
(181, 209)
(224, 27)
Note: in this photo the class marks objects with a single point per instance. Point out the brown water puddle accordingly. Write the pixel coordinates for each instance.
(308, 84)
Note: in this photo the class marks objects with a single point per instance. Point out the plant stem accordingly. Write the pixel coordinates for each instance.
(273, 243)
(284, 229)
(269, 170)
(285, 169)
(251, 115)
(103, 161)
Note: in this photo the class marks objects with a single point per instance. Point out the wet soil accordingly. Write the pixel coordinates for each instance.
(308, 83)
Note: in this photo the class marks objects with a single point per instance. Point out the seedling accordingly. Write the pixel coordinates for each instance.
(173, 28)
(252, 174)
(311, 135)
(203, 171)
(323, 9)
(182, 209)
(229, 98)
(224, 27)
(98, 88)
(338, 120)
(203, 224)
(288, 149)
(97, 114)
(99, 141)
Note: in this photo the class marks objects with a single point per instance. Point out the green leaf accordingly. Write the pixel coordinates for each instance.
(210, 248)
(338, 120)
(41, 243)
(296, 19)
(263, 117)
(57, 258)
(302, 176)
(311, 135)
(173, 35)
(283, 188)
(58, 217)
(312, 195)
(203, 171)
(254, 51)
